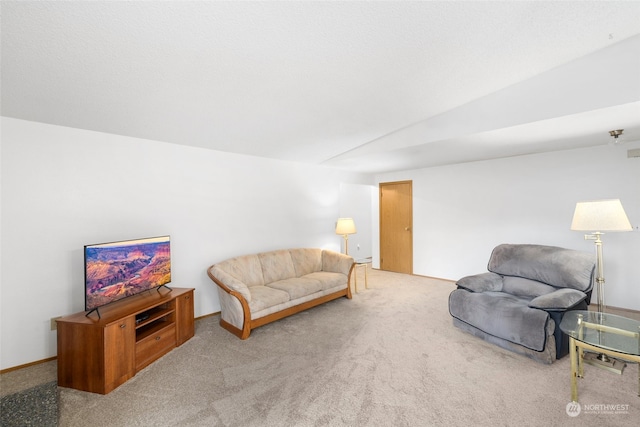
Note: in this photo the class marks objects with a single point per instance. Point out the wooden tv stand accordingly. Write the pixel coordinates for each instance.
(99, 354)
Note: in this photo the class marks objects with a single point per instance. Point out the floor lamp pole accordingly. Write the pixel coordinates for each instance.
(600, 286)
(600, 273)
(601, 360)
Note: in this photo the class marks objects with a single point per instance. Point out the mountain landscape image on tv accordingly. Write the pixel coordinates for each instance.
(121, 269)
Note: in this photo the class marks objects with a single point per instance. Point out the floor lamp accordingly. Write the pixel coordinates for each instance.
(600, 215)
(344, 227)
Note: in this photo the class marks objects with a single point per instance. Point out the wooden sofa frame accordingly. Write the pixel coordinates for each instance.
(249, 324)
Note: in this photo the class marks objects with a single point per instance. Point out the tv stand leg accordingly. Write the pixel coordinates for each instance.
(91, 311)
(163, 286)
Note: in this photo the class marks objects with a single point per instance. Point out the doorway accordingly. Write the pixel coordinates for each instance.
(396, 226)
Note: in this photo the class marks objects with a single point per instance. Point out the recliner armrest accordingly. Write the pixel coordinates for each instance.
(483, 282)
(560, 300)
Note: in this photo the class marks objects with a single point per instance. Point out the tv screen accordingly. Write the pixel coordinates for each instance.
(117, 270)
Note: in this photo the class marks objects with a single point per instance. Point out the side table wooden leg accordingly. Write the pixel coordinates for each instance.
(574, 369)
(366, 283)
(355, 278)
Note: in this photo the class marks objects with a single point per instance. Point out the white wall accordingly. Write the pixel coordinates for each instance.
(461, 212)
(63, 188)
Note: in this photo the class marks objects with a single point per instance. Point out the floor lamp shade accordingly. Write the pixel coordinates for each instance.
(600, 215)
(344, 227)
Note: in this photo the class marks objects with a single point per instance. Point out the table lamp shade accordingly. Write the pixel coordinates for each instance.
(345, 226)
(600, 215)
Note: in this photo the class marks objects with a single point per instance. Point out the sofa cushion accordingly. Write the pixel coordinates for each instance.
(525, 288)
(502, 315)
(263, 297)
(327, 279)
(562, 299)
(276, 265)
(297, 287)
(558, 267)
(306, 261)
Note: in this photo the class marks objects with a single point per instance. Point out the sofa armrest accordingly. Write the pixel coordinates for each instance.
(560, 300)
(336, 262)
(483, 282)
(225, 279)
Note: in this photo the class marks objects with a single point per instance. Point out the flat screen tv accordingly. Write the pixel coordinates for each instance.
(116, 270)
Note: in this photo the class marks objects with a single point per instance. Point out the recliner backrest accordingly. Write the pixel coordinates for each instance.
(555, 266)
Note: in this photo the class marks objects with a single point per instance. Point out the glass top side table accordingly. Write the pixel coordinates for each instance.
(612, 335)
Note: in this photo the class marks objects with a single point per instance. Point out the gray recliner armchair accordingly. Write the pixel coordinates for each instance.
(519, 303)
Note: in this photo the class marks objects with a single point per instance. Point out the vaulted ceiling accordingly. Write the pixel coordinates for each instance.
(366, 86)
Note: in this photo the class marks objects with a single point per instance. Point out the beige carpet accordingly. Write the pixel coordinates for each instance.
(389, 356)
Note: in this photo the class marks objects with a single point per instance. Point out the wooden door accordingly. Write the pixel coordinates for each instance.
(396, 227)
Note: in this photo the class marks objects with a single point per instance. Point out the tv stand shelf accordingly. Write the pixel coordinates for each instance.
(99, 354)
(150, 328)
(151, 316)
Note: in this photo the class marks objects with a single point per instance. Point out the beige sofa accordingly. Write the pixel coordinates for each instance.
(258, 289)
